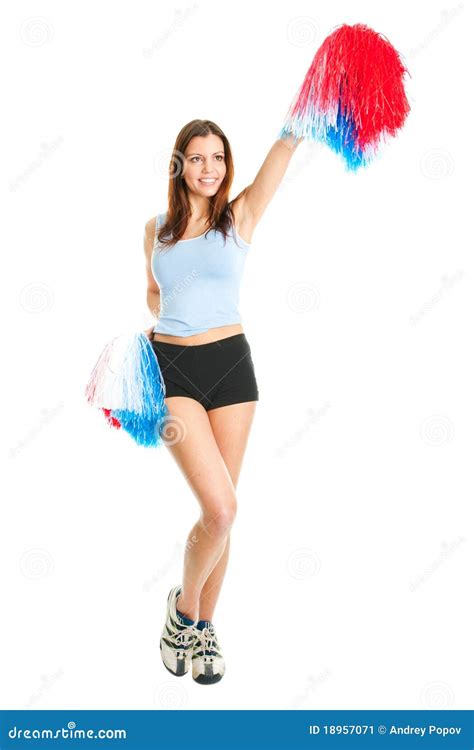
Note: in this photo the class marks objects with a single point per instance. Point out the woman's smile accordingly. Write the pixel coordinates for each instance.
(208, 180)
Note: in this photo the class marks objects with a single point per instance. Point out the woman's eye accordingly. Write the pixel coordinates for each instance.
(219, 156)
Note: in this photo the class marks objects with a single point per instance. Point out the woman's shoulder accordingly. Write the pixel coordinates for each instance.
(159, 220)
(153, 224)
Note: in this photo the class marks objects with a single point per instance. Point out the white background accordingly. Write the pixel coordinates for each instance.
(348, 581)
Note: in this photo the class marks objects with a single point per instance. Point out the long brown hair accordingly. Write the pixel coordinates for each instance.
(221, 215)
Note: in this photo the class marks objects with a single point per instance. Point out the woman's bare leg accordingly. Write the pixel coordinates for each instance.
(200, 459)
(231, 427)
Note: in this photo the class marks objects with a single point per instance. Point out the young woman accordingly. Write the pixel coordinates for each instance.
(195, 257)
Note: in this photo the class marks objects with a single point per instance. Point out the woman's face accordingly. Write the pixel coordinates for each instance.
(204, 164)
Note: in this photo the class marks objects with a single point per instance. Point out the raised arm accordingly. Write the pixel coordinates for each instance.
(250, 205)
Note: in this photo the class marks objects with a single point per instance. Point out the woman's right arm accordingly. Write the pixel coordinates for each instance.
(153, 290)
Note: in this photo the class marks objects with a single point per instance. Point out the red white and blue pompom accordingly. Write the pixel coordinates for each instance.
(127, 385)
(352, 96)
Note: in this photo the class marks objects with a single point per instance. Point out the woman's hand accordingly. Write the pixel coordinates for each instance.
(149, 333)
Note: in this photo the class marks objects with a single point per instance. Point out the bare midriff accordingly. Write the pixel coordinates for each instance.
(212, 334)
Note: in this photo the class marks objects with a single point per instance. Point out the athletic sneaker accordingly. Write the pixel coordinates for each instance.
(177, 639)
(207, 660)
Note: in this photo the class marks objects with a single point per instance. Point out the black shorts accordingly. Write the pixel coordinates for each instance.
(216, 374)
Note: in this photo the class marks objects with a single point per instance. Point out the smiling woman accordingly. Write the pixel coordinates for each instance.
(201, 174)
(195, 258)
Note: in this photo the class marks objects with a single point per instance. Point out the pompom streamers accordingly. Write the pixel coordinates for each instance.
(352, 97)
(127, 385)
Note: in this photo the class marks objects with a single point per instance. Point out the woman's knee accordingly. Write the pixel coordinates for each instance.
(217, 518)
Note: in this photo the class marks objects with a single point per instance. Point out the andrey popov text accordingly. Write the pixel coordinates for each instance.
(431, 729)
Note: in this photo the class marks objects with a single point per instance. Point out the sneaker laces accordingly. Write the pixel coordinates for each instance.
(208, 639)
(182, 637)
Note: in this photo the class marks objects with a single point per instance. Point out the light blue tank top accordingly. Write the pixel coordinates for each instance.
(199, 281)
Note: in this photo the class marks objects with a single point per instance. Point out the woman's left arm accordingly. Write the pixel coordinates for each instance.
(255, 197)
